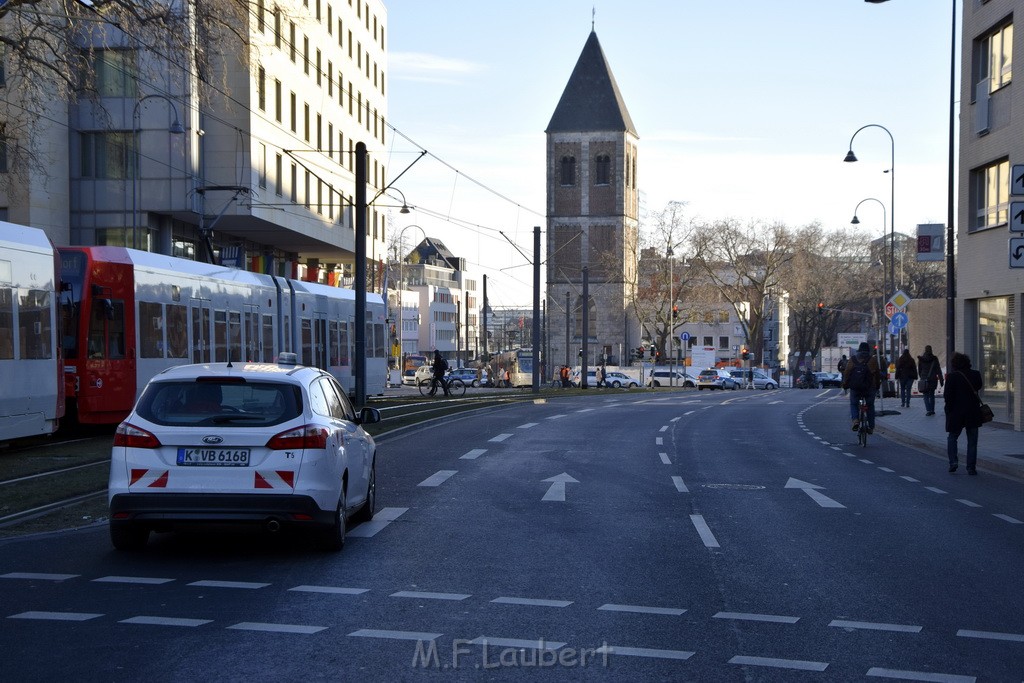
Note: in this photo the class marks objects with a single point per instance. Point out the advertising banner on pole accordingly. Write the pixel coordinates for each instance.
(931, 242)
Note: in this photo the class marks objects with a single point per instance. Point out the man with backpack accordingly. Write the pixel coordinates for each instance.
(862, 378)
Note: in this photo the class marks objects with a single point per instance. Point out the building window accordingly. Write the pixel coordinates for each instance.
(277, 27)
(114, 73)
(305, 121)
(278, 175)
(294, 112)
(723, 342)
(994, 59)
(106, 155)
(602, 170)
(295, 185)
(3, 153)
(330, 78)
(990, 195)
(261, 89)
(307, 194)
(568, 171)
(291, 40)
(305, 54)
(261, 159)
(277, 100)
(261, 25)
(330, 20)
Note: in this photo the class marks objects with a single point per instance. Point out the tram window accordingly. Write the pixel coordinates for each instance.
(34, 324)
(115, 331)
(379, 341)
(151, 330)
(345, 351)
(267, 339)
(6, 324)
(177, 331)
(234, 336)
(287, 334)
(334, 343)
(307, 341)
(106, 329)
(97, 331)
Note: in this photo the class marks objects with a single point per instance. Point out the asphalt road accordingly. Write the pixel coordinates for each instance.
(673, 536)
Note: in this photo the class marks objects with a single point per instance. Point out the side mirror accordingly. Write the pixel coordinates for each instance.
(368, 416)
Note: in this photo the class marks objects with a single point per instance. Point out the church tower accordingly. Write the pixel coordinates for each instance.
(592, 203)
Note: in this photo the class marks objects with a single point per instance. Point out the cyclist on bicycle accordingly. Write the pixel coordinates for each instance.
(862, 378)
(439, 368)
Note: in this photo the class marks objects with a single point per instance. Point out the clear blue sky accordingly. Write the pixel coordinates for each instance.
(744, 109)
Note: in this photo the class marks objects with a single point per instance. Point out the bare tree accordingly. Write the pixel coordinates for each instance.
(745, 263)
(57, 52)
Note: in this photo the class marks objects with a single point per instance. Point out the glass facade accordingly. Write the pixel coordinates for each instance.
(997, 352)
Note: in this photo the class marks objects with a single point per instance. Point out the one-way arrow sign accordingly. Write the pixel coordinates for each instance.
(1017, 179)
(1016, 216)
(1017, 252)
(557, 489)
(810, 489)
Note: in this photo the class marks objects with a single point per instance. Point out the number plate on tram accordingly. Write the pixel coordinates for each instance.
(214, 457)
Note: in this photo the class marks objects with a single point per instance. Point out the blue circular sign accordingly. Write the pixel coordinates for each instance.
(900, 320)
(685, 336)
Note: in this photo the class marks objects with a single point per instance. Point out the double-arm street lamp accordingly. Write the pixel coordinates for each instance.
(851, 157)
(175, 128)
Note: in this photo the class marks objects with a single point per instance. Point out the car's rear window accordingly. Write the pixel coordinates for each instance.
(228, 403)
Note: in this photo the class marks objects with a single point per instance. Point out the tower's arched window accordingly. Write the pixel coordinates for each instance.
(568, 170)
(603, 170)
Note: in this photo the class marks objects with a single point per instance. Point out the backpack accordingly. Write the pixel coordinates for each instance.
(860, 377)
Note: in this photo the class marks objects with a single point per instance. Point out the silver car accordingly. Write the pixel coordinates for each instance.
(716, 378)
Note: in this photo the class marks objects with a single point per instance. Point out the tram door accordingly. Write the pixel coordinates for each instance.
(320, 340)
(201, 313)
(253, 334)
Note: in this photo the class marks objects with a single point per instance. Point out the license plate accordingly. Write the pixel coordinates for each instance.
(214, 457)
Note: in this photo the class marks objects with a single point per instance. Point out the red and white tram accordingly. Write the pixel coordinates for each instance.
(31, 383)
(130, 314)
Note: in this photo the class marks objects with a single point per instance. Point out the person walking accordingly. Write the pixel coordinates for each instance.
(930, 373)
(906, 373)
(963, 410)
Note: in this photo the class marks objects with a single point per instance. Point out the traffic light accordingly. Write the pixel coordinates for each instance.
(639, 353)
(821, 308)
(579, 354)
(654, 351)
(745, 353)
(675, 312)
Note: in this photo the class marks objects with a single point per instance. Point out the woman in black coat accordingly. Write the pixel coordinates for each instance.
(963, 411)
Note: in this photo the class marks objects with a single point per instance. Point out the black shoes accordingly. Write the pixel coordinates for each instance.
(930, 413)
(971, 471)
(952, 468)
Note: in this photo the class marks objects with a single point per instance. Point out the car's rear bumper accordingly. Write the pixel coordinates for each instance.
(166, 510)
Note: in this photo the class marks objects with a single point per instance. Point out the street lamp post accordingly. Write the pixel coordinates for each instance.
(851, 157)
(856, 221)
(401, 289)
(175, 128)
(671, 301)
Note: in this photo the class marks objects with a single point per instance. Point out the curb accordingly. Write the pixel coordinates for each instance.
(996, 464)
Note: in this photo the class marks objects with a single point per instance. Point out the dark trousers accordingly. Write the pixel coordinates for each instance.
(906, 387)
(972, 446)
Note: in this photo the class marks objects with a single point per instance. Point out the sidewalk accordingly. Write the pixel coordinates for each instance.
(1000, 449)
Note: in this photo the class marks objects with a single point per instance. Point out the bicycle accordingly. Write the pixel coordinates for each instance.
(455, 386)
(862, 431)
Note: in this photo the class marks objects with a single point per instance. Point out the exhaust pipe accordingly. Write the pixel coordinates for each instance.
(273, 526)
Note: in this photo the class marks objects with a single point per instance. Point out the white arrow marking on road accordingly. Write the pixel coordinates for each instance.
(557, 489)
(819, 498)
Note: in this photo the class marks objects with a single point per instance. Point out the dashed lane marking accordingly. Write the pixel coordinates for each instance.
(872, 626)
(555, 417)
(664, 458)
(680, 486)
(335, 590)
(640, 609)
(934, 490)
(394, 635)
(658, 441)
(674, 419)
(991, 635)
(473, 454)
(165, 621)
(56, 616)
(438, 478)
(1008, 518)
(533, 602)
(968, 503)
(886, 469)
(528, 425)
(743, 616)
(247, 585)
(689, 412)
(540, 644)
(276, 628)
(643, 652)
(377, 524)
(39, 577)
(584, 410)
(664, 428)
(704, 531)
(424, 595)
(911, 479)
(879, 672)
(500, 437)
(866, 461)
(797, 664)
(148, 580)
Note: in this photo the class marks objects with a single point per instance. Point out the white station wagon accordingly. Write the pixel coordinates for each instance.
(272, 445)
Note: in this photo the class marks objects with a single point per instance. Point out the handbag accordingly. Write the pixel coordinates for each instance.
(986, 413)
(925, 385)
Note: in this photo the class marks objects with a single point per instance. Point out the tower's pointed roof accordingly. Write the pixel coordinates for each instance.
(591, 100)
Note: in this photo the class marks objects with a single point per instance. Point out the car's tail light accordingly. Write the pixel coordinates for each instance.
(130, 436)
(306, 436)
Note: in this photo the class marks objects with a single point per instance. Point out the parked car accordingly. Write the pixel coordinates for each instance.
(617, 379)
(716, 378)
(664, 377)
(268, 445)
(469, 376)
(802, 381)
(756, 377)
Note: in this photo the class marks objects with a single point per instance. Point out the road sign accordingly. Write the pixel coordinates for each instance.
(1016, 216)
(1017, 179)
(890, 309)
(900, 299)
(1017, 252)
(900, 320)
(893, 330)
(684, 337)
